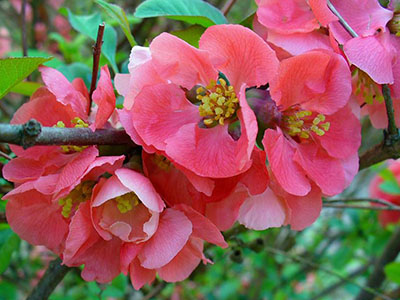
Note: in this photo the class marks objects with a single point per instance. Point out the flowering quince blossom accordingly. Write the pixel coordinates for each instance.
(315, 136)
(179, 105)
(387, 217)
(51, 180)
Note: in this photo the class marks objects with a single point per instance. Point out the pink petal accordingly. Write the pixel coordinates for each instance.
(280, 153)
(36, 219)
(319, 80)
(344, 135)
(377, 61)
(142, 187)
(139, 55)
(121, 82)
(240, 54)
(139, 275)
(21, 169)
(256, 178)
(129, 251)
(299, 43)
(286, 17)
(224, 213)
(104, 97)
(64, 91)
(172, 234)
(188, 66)
(365, 21)
(159, 111)
(326, 171)
(182, 265)
(111, 188)
(304, 210)
(263, 211)
(203, 228)
(195, 148)
(321, 11)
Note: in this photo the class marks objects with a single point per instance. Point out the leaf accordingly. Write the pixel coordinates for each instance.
(118, 14)
(26, 88)
(88, 25)
(392, 272)
(76, 70)
(9, 242)
(53, 63)
(390, 184)
(190, 35)
(190, 11)
(17, 69)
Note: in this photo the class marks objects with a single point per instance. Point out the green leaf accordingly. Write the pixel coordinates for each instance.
(26, 88)
(390, 184)
(76, 70)
(53, 63)
(190, 35)
(88, 25)
(118, 14)
(392, 272)
(190, 11)
(17, 69)
(9, 242)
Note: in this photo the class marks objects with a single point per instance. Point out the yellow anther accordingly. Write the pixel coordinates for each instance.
(60, 124)
(200, 90)
(304, 135)
(127, 202)
(79, 194)
(326, 126)
(218, 103)
(316, 121)
(321, 117)
(78, 123)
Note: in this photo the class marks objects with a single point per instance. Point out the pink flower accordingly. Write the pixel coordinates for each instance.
(39, 210)
(317, 137)
(123, 208)
(5, 41)
(387, 217)
(174, 251)
(290, 27)
(200, 137)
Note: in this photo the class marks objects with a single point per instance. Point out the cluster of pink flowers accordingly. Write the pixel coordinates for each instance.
(249, 127)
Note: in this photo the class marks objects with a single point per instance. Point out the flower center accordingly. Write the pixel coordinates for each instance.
(218, 103)
(78, 123)
(302, 123)
(367, 88)
(79, 194)
(127, 202)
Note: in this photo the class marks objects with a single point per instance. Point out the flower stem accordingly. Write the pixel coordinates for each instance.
(96, 60)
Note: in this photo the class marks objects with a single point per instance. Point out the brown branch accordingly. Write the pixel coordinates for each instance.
(378, 201)
(53, 276)
(96, 60)
(379, 153)
(5, 155)
(392, 129)
(389, 254)
(345, 206)
(32, 133)
(227, 7)
(23, 28)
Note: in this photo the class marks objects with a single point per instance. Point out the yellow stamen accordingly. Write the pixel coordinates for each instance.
(81, 193)
(301, 124)
(78, 123)
(218, 103)
(127, 202)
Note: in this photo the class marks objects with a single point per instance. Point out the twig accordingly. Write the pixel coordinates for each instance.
(326, 270)
(32, 133)
(336, 285)
(379, 153)
(4, 155)
(23, 29)
(53, 276)
(227, 7)
(3, 218)
(341, 20)
(389, 254)
(344, 206)
(379, 201)
(392, 129)
(157, 290)
(96, 60)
